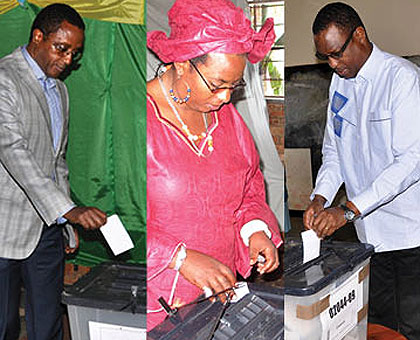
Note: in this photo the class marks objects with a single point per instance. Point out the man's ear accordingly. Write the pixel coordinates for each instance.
(37, 36)
(360, 34)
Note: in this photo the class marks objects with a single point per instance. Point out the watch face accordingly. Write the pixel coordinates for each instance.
(349, 215)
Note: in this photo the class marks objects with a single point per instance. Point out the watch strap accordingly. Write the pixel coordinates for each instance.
(349, 214)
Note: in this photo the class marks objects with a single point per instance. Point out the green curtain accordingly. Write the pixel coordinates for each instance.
(107, 133)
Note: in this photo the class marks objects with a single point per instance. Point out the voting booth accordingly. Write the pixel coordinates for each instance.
(327, 297)
(108, 303)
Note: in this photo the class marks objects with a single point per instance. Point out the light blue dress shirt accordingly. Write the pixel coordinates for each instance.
(49, 86)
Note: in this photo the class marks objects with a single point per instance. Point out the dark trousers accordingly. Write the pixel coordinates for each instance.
(42, 277)
(394, 291)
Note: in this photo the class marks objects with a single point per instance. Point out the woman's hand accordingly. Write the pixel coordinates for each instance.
(260, 244)
(205, 271)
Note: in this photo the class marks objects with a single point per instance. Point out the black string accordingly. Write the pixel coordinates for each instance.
(172, 311)
(133, 300)
(198, 300)
(219, 317)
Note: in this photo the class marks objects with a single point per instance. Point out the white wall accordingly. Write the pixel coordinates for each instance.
(393, 25)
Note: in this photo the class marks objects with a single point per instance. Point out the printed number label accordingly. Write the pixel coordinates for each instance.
(341, 315)
(341, 304)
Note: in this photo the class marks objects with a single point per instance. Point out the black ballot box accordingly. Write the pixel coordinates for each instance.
(108, 302)
(257, 316)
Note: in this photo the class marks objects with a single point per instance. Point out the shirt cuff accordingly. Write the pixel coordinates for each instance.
(61, 219)
(252, 227)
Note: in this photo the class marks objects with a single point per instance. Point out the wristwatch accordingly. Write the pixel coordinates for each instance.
(349, 214)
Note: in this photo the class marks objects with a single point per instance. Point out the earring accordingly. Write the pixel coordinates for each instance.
(180, 100)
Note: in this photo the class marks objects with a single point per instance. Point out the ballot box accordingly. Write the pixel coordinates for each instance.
(108, 303)
(326, 298)
(257, 316)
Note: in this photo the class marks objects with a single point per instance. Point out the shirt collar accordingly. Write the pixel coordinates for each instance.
(369, 69)
(39, 74)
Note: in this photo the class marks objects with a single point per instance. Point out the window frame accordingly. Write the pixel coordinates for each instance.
(281, 63)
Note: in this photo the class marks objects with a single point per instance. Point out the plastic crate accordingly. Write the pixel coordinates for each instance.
(111, 294)
(257, 316)
(326, 298)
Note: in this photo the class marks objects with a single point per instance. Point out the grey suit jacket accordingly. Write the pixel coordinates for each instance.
(29, 195)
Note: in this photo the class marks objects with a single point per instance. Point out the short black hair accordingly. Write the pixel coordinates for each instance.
(339, 14)
(50, 18)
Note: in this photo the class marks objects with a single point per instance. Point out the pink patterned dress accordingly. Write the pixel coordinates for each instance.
(201, 199)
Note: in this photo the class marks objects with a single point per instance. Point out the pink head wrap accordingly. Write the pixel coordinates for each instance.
(202, 26)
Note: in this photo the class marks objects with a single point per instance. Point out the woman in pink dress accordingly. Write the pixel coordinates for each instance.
(207, 214)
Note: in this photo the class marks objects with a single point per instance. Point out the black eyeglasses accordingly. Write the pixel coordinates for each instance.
(216, 89)
(338, 54)
(63, 50)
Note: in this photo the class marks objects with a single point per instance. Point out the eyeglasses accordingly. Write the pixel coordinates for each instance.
(216, 89)
(63, 51)
(338, 54)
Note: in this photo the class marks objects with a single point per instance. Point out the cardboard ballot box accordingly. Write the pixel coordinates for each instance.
(108, 303)
(326, 298)
(257, 316)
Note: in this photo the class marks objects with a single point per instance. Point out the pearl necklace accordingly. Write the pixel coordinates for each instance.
(193, 138)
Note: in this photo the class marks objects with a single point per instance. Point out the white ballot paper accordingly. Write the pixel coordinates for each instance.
(241, 289)
(311, 245)
(116, 235)
(103, 331)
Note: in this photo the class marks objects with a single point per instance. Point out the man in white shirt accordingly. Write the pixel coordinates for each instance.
(372, 145)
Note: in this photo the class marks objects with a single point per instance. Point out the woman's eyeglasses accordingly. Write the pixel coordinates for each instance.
(215, 89)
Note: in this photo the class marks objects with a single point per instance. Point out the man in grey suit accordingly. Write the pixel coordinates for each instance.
(34, 199)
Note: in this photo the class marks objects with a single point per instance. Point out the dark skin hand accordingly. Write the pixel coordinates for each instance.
(260, 244)
(87, 217)
(316, 206)
(328, 221)
(325, 221)
(205, 271)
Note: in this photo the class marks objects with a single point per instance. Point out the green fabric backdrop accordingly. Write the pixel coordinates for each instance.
(107, 137)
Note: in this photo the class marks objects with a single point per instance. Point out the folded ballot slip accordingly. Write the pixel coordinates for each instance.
(116, 235)
(241, 289)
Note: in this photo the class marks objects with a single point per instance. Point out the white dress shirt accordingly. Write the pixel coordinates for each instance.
(372, 144)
